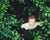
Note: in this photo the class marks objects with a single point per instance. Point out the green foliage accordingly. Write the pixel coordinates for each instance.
(5, 28)
(5, 23)
(6, 20)
(38, 38)
(45, 13)
(21, 1)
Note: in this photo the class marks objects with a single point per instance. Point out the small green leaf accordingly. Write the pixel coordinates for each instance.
(5, 10)
(48, 32)
(43, 27)
(46, 35)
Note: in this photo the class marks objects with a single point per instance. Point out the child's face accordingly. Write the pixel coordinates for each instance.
(31, 21)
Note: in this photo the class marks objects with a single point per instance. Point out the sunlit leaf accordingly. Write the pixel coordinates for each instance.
(43, 27)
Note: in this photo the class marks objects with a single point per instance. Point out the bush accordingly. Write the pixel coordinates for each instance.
(7, 20)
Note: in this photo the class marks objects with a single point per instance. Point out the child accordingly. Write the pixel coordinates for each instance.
(31, 24)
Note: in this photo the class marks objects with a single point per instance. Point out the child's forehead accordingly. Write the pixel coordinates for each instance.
(31, 19)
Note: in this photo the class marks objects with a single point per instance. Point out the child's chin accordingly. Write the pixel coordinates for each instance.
(31, 25)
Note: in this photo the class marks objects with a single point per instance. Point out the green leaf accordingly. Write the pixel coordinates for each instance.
(43, 27)
(23, 1)
(46, 14)
(29, 14)
(46, 35)
(5, 10)
(48, 32)
(46, 29)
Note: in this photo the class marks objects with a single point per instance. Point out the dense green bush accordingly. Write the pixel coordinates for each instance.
(6, 20)
(5, 23)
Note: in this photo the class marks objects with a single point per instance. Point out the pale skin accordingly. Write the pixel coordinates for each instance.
(31, 22)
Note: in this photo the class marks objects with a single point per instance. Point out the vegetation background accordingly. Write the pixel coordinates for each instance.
(13, 13)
